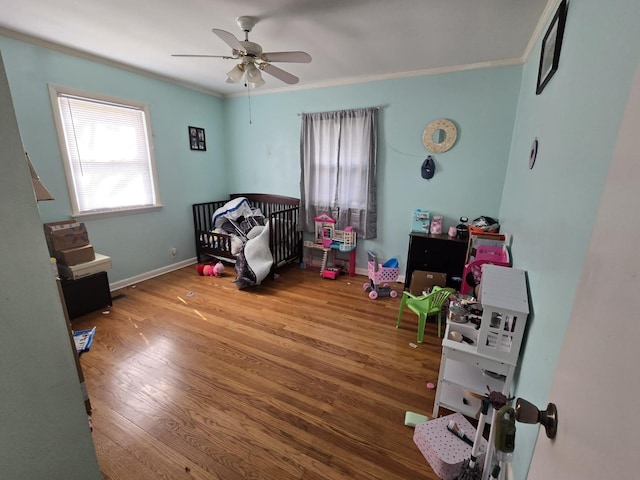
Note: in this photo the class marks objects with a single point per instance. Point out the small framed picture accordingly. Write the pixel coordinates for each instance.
(551, 45)
(197, 140)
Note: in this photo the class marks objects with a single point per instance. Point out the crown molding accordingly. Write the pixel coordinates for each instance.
(389, 76)
(318, 85)
(56, 47)
(549, 10)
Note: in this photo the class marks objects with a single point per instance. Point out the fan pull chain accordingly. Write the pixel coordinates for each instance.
(249, 96)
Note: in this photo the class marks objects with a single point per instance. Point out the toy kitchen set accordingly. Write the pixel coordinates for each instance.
(482, 341)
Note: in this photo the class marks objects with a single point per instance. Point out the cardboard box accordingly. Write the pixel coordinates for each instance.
(74, 256)
(65, 235)
(101, 263)
(423, 281)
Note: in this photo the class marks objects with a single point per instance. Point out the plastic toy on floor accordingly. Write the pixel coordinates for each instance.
(380, 275)
(218, 269)
(331, 272)
(210, 270)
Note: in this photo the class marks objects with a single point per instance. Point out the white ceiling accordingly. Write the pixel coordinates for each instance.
(349, 40)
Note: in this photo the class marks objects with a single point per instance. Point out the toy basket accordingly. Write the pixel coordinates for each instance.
(385, 273)
(379, 277)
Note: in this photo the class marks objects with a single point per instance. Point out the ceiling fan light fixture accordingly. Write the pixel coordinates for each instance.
(251, 60)
(235, 74)
(252, 71)
(258, 82)
(254, 77)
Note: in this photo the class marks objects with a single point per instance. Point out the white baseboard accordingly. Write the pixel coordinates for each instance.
(185, 263)
(153, 273)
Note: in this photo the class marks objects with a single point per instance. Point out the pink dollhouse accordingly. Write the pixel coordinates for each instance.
(329, 240)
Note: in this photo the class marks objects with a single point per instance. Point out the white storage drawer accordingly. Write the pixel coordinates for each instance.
(102, 263)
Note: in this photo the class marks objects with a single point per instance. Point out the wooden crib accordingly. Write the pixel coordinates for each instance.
(282, 214)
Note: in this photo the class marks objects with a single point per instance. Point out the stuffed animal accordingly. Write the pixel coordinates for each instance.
(218, 268)
(207, 271)
(210, 270)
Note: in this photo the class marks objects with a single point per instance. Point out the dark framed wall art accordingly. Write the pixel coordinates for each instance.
(197, 140)
(551, 45)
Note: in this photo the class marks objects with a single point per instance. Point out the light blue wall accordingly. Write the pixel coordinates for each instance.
(550, 210)
(264, 154)
(44, 431)
(136, 243)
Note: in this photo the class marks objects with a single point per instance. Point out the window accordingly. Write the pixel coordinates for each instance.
(338, 167)
(107, 152)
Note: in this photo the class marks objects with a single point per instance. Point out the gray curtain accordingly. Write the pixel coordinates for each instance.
(338, 169)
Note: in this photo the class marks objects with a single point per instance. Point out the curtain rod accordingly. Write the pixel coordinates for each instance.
(378, 107)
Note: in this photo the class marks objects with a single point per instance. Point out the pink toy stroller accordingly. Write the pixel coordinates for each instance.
(378, 275)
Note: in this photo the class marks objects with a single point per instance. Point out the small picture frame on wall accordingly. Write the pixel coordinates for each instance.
(551, 45)
(197, 139)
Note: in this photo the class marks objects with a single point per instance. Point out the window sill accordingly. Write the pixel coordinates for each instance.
(116, 213)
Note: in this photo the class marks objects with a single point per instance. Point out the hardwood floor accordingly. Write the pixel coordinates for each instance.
(300, 378)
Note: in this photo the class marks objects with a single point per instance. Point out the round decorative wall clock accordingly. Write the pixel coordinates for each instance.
(440, 135)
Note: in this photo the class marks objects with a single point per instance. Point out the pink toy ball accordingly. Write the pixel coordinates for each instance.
(218, 269)
(208, 270)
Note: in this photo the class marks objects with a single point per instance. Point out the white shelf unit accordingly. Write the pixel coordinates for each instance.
(463, 378)
(495, 347)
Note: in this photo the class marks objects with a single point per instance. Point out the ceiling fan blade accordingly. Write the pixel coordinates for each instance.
(229, 39)
(280, 74)
(291, 57)
(202, 56)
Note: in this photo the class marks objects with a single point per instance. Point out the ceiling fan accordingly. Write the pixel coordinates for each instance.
(252, 60)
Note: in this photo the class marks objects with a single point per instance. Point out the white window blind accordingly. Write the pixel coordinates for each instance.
(109, 161)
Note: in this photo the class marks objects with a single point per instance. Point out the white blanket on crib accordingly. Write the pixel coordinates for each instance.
(257, 256)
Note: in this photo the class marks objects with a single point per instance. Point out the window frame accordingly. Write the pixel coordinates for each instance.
(55, 91)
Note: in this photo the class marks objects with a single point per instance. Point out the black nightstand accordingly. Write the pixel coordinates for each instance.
(436, 253)
(86, 294)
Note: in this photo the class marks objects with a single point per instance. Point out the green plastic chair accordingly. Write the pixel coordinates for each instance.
(425, 305)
